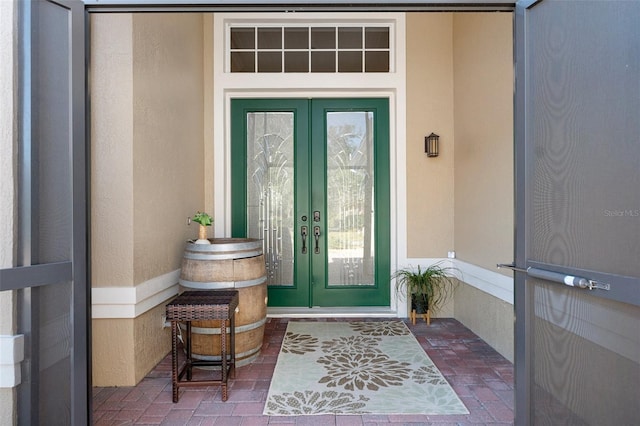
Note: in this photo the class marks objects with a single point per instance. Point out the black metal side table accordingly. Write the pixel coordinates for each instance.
(196, 306)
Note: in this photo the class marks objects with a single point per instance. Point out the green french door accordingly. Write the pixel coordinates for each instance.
(311, 179)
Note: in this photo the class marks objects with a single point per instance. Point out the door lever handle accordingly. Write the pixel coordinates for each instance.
(316, 233)
(303, 233)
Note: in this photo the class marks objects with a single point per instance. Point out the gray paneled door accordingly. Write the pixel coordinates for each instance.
(51, 277)
(578, 205)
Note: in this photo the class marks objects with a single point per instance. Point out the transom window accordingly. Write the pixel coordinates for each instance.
(304, 49)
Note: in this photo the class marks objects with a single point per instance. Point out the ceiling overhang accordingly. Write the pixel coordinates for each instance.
(297, 6)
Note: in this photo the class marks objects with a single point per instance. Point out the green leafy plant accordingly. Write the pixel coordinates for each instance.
(203, 219)
(429, 288)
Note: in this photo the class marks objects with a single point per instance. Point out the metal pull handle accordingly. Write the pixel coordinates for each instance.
(565, 279)
(557, 277)
(316, 233)
(304, 232)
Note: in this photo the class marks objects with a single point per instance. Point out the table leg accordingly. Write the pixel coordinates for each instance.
(232, 340)
(223, 357)
(188, 348)
(174, 359)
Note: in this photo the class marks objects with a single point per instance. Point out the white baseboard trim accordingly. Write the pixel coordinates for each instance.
(131, 302)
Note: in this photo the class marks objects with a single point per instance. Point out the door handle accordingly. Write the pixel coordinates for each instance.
(303, 232)
(316, 233)
(558, 277)
(511, 266)
(565, 279)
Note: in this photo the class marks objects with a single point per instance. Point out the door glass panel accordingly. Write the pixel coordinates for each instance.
(270, 183)
(296, 61)
(350, 38)
(323, 38)
(243, 38)
(296, 38)
(376, 61)
(350, 61)
(243, 61)
(350, 208)
(269, 38)
(294, 49)
(323, 62)
(376, 38)
(269, 61)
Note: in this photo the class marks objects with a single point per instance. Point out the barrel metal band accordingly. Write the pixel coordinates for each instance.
(212, 255)
(217, 285)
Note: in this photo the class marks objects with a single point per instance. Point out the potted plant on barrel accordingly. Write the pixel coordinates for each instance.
(204, 220)
(429, 288)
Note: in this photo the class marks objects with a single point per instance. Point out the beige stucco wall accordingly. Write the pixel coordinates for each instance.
(7, 186)
(483, 168)
(460, 86)
(147, 171)
(483, 99)
(487, 316)
(430, 181)
(113, 352)
(168, 164)
(111, 89)
(209, 182)
(125, 350)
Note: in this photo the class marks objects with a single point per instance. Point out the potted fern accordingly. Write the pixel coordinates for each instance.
(429, 288)
(204, 220)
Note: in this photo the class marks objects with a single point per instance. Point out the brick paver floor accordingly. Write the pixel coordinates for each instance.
(482, 378)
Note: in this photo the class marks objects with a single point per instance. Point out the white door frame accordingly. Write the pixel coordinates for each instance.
(380, 85)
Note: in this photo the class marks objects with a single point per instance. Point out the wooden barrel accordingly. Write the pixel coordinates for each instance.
(228, 263)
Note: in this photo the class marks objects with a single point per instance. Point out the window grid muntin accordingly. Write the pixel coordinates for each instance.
(365, 29)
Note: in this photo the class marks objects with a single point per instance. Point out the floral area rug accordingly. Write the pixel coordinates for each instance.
(356, 368)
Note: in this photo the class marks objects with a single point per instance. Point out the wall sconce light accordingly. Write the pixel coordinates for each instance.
(431, 145)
